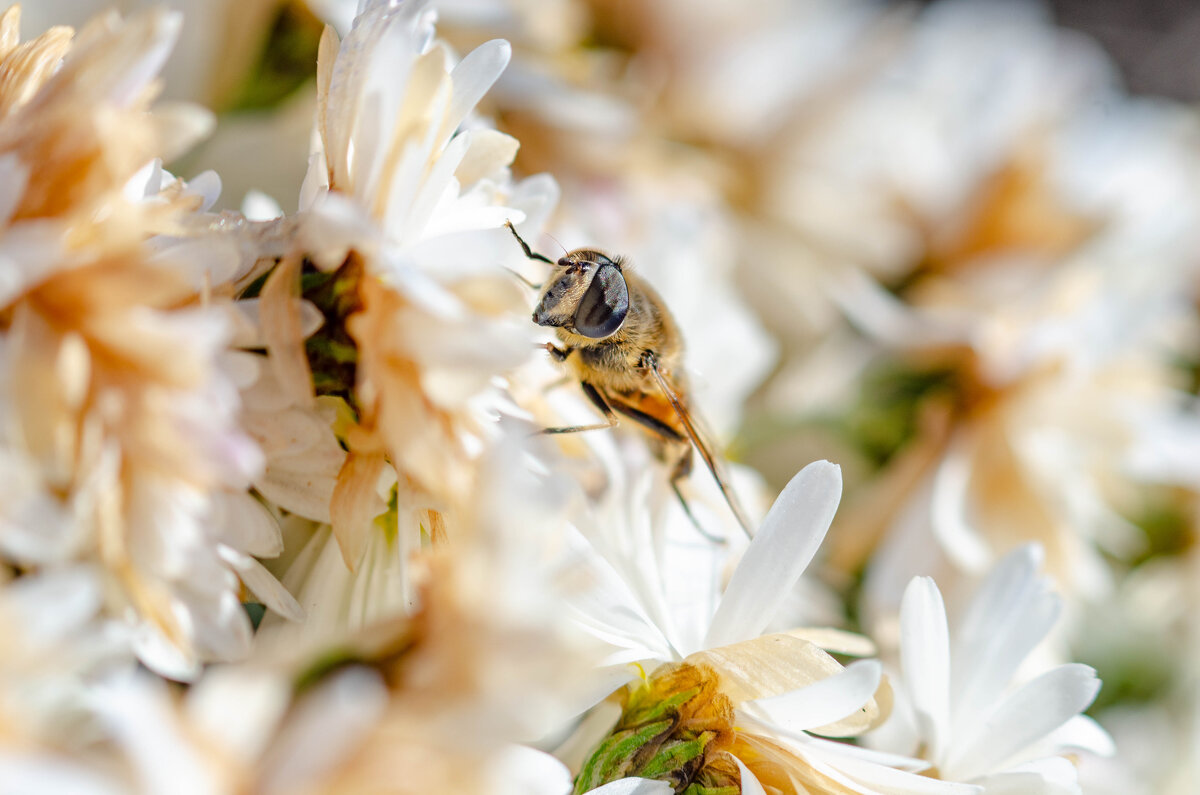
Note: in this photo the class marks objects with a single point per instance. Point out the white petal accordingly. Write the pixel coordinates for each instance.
(324, 729)
(53, 605)
(1011, 613)
(262, 584)
(883, 779)
(605, 605)
(961, 542)
(245, 524)
(1055, 776)
(925, 660)
(826, 701)
(24, 772)
(139, 716)
(1033, 711)
(1081, 733)
(750, 783)
(787, 540)
(633, 786)
(521, 770)
(474, 75)
(258, 697)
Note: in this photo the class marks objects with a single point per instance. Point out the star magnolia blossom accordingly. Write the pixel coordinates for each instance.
(960, 706)
(782, 687)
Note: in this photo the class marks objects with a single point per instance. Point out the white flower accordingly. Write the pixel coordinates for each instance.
(783, 685)
(967, 712)
(120, 444)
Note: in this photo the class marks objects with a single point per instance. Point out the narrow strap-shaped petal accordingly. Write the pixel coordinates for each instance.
(1033, 711)
(826, 701)
(958, 538)
(262, 584)
(473, 76)
(925, 658)
(750, 783)
(789, 537)
(633, 786)
(1010, 614)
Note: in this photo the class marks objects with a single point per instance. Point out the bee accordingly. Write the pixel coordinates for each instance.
(626, 350)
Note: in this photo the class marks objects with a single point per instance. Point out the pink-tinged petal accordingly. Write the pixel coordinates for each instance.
(1011, 613)
(1023, 718)
(925, 660)
(787, 540)
(824, 702)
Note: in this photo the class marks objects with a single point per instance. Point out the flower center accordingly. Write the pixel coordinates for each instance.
(674, 727)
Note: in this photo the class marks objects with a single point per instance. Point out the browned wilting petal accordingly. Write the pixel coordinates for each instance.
(283, 331)
(420, 439)
(85, 130)
(95, 301)
(356, 503)
(25, 68)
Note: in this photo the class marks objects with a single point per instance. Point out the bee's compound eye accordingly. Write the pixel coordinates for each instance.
(604, 306)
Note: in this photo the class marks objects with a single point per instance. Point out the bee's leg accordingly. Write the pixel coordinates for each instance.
(523, 280)
(558, 354)
(683, 466)
(600, 403)
(525, 246)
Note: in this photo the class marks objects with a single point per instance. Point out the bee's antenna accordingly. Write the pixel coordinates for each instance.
(530, 253)
(555, 239)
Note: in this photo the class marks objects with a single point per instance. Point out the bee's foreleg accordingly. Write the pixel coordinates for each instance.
(523, 280)
(558, 354)
(599, 402)
(525, 246)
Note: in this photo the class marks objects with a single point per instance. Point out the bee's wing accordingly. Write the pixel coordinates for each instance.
(700, 440)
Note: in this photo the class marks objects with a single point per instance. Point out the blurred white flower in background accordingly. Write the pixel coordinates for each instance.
(964, 700)
(121, 443)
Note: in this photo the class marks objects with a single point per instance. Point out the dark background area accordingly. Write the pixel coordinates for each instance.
(1155, 42)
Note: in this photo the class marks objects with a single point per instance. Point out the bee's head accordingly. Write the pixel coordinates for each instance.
(586, 294)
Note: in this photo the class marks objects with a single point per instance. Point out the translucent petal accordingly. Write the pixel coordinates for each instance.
(1036, 709)
(787, 540)
(925, 659)
(823, 702)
